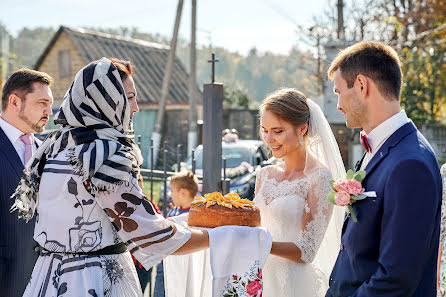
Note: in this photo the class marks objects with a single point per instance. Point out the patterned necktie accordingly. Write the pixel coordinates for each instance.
(26, 138)
(365, 142)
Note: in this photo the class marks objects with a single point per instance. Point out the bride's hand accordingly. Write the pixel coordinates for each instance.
(287, 250)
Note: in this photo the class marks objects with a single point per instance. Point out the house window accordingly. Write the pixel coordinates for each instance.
(64, 63)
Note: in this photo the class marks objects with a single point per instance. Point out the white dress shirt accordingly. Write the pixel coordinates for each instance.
(13, 135)
(382, 132)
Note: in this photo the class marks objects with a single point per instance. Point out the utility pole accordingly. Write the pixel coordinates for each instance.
(212, 126)
(192, 135)
(156, 135)
(5, 56)
(320, 73)
(341, 31)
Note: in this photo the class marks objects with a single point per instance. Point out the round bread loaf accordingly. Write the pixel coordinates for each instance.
(217, 215)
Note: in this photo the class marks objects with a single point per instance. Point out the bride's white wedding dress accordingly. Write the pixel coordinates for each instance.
(294, 211)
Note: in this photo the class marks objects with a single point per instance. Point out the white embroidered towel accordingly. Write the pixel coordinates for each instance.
(187, 275)
(238, 254)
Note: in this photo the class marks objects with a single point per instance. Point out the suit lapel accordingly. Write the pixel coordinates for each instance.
(359, 163)
(357, 167)
(10, 153)
(392, 141)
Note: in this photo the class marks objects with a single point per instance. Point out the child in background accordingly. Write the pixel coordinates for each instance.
(184, 187)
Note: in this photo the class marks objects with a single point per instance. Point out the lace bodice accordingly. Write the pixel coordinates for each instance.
(295, 210)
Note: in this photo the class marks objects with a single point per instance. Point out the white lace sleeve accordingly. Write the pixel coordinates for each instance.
(259, 178)
(316, 215)
(148, 236)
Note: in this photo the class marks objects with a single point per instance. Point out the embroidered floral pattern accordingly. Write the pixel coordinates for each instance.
(137, 201)
(77, 223)
(61, 288)
(120, 216)
(113, 271)
(85, 237)
(248, 285)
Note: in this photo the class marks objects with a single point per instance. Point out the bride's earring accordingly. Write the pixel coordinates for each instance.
(301, 142)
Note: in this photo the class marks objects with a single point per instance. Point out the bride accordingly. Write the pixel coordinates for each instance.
(292, 196)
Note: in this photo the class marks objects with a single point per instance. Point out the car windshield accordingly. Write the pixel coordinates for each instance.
(234, 157)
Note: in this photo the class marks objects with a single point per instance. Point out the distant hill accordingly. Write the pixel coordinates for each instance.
(256, 74)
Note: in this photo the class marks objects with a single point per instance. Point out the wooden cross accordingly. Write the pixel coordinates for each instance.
(213, 60)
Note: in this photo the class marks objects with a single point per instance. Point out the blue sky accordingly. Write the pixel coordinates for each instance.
(269, 25)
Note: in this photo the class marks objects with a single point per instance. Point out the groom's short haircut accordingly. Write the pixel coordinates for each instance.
(373, 59)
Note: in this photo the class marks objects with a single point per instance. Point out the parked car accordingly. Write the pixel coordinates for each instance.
(244, 158)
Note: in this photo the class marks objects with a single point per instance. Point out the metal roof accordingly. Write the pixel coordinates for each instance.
(149, 59)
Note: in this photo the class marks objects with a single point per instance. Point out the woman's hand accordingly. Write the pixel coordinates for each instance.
(287, 250)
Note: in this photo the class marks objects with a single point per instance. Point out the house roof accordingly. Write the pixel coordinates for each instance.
(149, 59)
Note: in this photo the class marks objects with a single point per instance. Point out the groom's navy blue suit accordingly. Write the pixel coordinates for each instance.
(17, 246)
(392, 249)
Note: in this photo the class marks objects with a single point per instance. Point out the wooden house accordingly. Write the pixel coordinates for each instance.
(72, 48)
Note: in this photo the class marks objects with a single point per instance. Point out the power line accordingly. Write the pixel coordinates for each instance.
(281, 12)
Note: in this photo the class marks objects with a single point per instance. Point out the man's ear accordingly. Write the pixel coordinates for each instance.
(362, 85)
(14, 102)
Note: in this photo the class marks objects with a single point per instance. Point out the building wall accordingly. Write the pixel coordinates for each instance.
(330, 100)
(143, 124)
(436, 136)
(344, 136)
(245, 121)
(175, 121)
(50, 65)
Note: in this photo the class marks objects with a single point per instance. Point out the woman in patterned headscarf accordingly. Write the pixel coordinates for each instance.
(82, 184)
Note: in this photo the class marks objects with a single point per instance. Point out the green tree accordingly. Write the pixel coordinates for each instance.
(30, 44)
(257, 73)
(417, 30)
(423, 59)
(235, 97)
(424, 90)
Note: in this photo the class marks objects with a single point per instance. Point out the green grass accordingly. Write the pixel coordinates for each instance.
(156, 189)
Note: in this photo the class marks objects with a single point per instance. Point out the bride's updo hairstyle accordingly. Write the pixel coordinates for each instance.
(289, 105)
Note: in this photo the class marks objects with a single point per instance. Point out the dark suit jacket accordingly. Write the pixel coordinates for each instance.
(17, 246)
(392, 249)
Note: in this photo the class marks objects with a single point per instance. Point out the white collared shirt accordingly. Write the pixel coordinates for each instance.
(382, 132)
(13, 135)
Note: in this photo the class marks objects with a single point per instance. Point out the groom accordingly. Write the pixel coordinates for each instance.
(392, 249)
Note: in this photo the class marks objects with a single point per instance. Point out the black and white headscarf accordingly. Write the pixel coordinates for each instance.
(97, 133)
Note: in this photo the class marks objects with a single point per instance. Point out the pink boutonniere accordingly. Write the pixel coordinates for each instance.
(348, 190)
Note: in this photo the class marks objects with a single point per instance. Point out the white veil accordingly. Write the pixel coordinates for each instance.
(322, 145)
